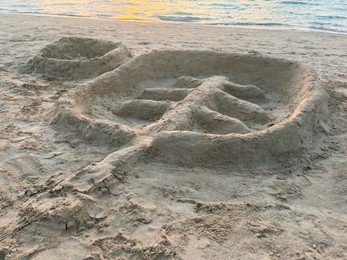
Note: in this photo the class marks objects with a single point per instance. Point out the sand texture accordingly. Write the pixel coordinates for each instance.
(77, 58)
(124, 140)
(188, 104)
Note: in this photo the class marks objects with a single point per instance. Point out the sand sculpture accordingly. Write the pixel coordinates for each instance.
(75, 58)
(168, 155)
(198, 108)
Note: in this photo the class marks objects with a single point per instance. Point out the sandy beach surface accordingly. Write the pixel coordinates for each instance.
(128, 140)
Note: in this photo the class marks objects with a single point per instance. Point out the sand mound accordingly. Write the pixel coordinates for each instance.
(201, 108)
(77, 58)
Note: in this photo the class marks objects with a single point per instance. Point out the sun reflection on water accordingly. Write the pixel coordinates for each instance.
(123, 9)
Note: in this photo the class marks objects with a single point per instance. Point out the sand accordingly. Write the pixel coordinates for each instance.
(127, 140)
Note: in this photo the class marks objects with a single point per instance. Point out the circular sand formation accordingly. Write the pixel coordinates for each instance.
(201, 108)
(78, 58)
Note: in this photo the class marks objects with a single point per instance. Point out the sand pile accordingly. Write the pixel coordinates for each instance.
(77, 58)
(199, 108)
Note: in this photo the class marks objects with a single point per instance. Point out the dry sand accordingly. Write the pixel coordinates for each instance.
(124, 140)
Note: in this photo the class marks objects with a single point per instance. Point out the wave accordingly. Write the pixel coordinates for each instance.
(331, 17)
(295, 3)
(251, 24)
(181, 18)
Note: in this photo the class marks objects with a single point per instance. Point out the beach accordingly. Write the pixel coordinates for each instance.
(301, 14)
(129, 160)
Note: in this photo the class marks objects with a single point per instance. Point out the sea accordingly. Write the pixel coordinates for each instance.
(326, 15)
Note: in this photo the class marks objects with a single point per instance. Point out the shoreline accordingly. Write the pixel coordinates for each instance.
(181, 23)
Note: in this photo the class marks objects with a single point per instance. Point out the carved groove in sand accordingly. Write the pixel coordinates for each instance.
(73, 58)
(199, 107)
(210, 105)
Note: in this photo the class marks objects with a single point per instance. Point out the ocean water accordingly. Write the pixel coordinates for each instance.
(329, 15)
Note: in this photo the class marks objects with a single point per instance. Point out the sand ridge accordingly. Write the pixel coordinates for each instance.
(72, 58)
(200, 107)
